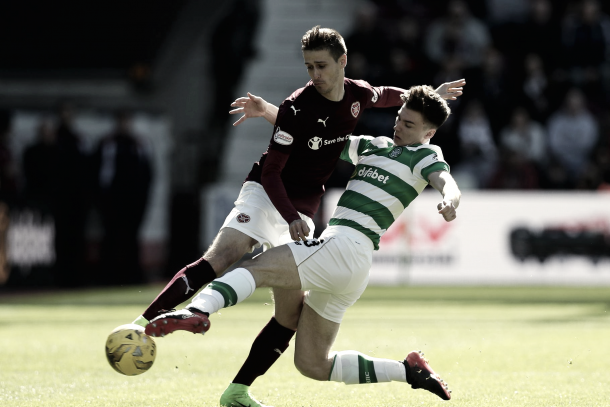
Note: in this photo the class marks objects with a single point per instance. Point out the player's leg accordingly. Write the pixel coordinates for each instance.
(315, 337)
(313, 358)
(246, 227)
(268, 346)
(274, 338)
(228, 247)
(273, 268)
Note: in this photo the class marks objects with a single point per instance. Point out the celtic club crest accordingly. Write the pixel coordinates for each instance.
(243, 218)
(396, 151)
(355, 109)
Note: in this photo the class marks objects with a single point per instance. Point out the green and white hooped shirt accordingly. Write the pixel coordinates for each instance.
(386, 180)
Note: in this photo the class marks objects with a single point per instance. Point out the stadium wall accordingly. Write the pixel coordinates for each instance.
(499, 238)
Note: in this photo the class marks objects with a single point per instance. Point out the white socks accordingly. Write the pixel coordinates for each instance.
(226, 291)
(351, 367)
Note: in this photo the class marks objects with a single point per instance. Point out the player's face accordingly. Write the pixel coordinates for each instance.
(409, 128)
(326, 73)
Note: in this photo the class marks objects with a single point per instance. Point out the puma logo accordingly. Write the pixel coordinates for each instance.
(277, 350)
(295, 110)
(188, 287)
(323, 121)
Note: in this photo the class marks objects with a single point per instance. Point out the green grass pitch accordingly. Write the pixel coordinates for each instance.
(512, 346)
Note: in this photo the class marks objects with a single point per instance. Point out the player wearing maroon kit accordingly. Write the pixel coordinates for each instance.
(283, 190)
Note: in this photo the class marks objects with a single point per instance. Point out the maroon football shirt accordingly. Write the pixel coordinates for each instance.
(308, 137)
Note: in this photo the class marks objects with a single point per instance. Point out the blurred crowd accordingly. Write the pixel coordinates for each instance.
(57, 178)
(536, 108)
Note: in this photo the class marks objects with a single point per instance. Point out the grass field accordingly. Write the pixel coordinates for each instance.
(494, 346)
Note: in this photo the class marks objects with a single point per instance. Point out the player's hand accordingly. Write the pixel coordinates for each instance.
(299, 230)
(251, 106)
(447, 209)
(451, 90)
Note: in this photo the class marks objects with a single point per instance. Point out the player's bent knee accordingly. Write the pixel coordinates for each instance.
(227, 248)
(309, 368)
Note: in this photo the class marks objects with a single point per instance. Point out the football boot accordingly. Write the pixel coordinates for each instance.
(421, 376)
(186, 319)
(237, 395)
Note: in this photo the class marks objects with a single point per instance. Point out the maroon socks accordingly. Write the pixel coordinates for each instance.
(268, 346)
(183, 286)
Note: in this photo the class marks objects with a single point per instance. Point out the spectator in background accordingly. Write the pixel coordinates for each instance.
(8, 189)
(572, 135)
(522, 147)
(535, 89)
(478, 150)
(514, 171)
(409, 64)
(40, 168)
(8, 172)
(501, 11)
(358, 66)
(586, 47)
(459, 35)
(602, 152)
(231, 48)
(70, 202)
(364, 41)
(123, 176)
(525, 137)
(492, 86)
(540, 34)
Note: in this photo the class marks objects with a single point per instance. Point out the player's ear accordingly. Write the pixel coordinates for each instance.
(343, 60)
(429, 135)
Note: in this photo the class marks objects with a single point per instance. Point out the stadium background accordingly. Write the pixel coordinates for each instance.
(175, 66)
(533, 126)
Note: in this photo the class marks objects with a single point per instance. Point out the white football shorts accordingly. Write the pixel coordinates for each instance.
(255, 216)
(334, 268)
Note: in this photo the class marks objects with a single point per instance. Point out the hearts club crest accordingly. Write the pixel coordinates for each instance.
(243, 218)
(355, 109)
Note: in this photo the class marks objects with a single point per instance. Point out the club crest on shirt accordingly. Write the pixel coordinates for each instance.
(396, 151)
(283, 138)
(355, 109)
(243, 218)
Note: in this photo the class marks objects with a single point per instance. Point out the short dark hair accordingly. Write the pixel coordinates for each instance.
(431, 105)
(318, 39)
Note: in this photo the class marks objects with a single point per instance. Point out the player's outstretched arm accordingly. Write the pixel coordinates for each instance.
(443, 182)
(254, 106)
(451, 90)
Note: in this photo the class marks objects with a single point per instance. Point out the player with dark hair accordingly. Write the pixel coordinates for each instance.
(334, 269)
(283, 190)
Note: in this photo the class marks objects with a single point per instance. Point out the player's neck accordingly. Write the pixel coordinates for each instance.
(337, 93)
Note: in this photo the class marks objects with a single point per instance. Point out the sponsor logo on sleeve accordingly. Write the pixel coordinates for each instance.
(375, 96)
(355, 109)
(283, 138)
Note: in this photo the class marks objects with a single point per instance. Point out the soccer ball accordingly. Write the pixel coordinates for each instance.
(129, 350)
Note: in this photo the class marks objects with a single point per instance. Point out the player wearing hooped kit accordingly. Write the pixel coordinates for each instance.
(334, 269)
(282, 192)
